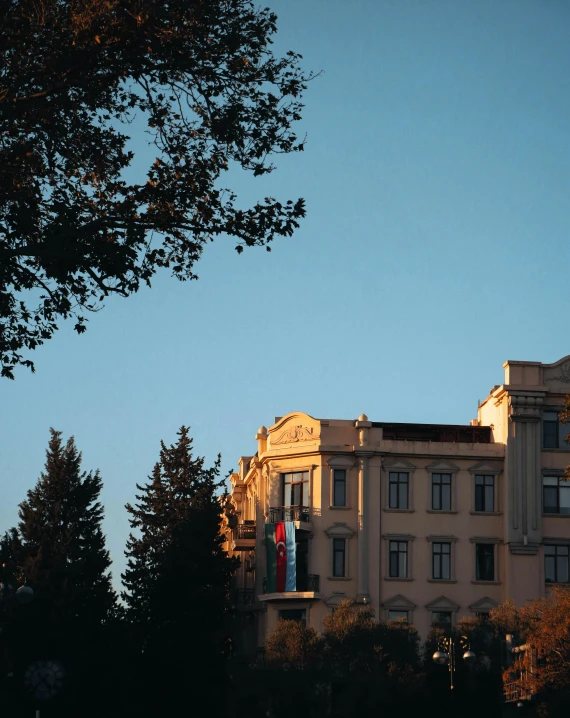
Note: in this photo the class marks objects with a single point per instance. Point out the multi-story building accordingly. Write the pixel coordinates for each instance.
(426, 522)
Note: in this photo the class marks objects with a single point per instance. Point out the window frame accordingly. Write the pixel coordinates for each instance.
(439, 468)
(440, 553)
(346, 464)
(339, 530)
(556, 545)
(399, 466)
(484, 485)
(442, 539)
(441, 484)
(399, 618)
(334, 503)
(479, 545)
(399, 603)
(491, 541)
(486, 469)
(398, 549)
(398, 483)
(408, 539)
(341, 541)
(549, 422)
(559, 477)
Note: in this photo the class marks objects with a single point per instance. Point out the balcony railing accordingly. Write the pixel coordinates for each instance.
(245, 596)
(245, 531)
(289, 513)
(305, 583)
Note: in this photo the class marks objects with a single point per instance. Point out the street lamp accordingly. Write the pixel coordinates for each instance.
(446, 653)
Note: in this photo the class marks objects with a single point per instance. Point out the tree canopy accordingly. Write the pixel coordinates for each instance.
(200, 77)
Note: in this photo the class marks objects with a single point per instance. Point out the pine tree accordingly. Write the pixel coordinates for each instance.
(177, 581)
(62, 556)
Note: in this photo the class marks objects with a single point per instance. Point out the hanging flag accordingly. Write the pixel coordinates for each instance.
(281, 574)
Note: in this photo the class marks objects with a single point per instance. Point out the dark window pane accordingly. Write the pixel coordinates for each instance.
(550, 434)
(562, 569)
(446, 566)
(338, 557)
(442, 618)
(403, 495)
(436, 497)
(550, 568)
(294, 614)
(446, 498)
(564, 497)
(397, 615)
(339, 488)
(550, 500)
(479, 498)
(485, 562)
(393, 495)
(489, 498)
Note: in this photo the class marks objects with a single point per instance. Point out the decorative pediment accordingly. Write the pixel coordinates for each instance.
(558, 373)
(442, 466)
(483, 604)
(294, 428)
(398, 465)
(442, 604)
(337, 598)
(399, 602)
(339, 530)
(485, 467)
(341, 462)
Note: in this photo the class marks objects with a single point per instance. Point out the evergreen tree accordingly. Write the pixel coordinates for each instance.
(177, 582)
(62, 556)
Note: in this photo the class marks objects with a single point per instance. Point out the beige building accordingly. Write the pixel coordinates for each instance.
(427, 522)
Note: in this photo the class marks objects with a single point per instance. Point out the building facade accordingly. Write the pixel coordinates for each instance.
(421, 521)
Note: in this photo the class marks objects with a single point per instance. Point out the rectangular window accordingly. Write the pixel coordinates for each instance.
(339, 487)
(339, 562)
(441, 492)
(484, 493)
(397, 615)
(441, 618)
(556, 564)
(484, 562)
(294, 614)
(441, 560)
(398, 498)
(398, 559)
(295, 490)
(550, 430)
(555, 495)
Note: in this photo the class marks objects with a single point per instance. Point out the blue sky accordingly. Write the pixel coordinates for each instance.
(437, 180)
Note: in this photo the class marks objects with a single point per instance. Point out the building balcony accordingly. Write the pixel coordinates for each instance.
(300, 515)
(308, 587)
(244, 537)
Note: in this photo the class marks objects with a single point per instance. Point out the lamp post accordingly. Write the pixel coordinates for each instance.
(447, 653)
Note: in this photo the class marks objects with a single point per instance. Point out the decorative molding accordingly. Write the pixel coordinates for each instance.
(442, 603)
(341, 462)
(295, 433)
(442, 466)
(564, 376)
(483, 604)
(483, 468)
(336, 598)
(525, 407)
(397, 464)
(339, 530)
(399, 602)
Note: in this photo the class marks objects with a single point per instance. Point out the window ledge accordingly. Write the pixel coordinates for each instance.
(340, 508)
(399, 511)
(556, 583)
(486, 513)
(442, 580)
(440, 511)
(556, 516)
(487, 583)
(339, 578)
(397, 578)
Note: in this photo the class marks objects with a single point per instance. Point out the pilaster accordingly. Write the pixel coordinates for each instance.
(363, 455)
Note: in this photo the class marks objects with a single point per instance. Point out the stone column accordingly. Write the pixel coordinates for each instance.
(363, 455)
(523, 473)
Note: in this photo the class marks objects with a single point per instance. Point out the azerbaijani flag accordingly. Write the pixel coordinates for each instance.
(281, 560)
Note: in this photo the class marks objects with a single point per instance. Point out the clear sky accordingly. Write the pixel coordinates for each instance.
(437, 181)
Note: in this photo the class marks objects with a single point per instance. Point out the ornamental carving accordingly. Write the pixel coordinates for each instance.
(563, 377)
(293, 434)
(526, 408)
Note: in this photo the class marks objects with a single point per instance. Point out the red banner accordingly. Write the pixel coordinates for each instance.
(281, 549)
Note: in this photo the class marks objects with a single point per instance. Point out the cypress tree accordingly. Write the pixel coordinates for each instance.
(177, 582)
(62, 556)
